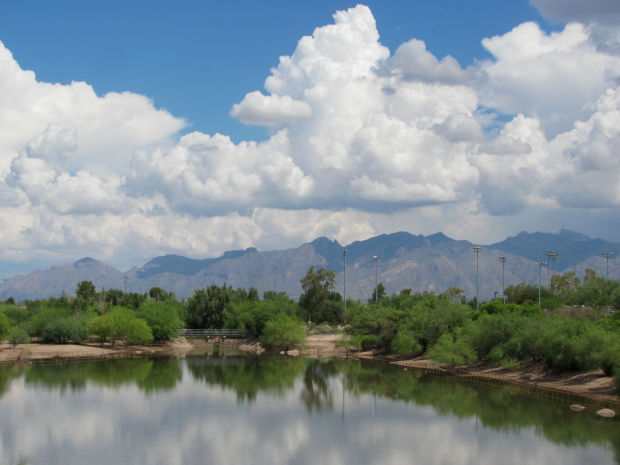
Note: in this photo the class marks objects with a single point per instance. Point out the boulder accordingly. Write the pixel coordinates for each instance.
(606, 413)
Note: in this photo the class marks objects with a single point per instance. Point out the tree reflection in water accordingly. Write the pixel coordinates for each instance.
(499, 408)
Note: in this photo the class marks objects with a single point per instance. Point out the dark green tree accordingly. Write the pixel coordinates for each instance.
(378, 293)
(207, 307)
(86, 290)
(318, 286)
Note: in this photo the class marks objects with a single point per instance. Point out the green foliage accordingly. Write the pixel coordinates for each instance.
(207, 308)
(64, 330)
(18, 335)
(17, 315)
(253, 315)
(120, 324)
(86, 291)
(159, 295)
(319, 301)
(162, 317)
(378, 293)
(5, 326)
(405, 342)
(283, 332)
(452, 349)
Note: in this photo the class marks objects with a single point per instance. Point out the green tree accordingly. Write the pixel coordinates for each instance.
(86, 290)
(207, 307)
(5, 326)
(64, 330)
(253, 315)
(378, 293)
(120, 324)
(282, 332)
(162, 317)
(318, 286)
(18, 335)
(565, 284)
(158, 294)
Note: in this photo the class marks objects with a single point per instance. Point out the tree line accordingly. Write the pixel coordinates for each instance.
(572, 325)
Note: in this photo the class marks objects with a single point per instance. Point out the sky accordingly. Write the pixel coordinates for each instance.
(135, 129)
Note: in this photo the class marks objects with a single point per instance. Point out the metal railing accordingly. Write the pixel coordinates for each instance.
(227, 333)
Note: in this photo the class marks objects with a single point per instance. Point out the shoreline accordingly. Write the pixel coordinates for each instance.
(591, 386)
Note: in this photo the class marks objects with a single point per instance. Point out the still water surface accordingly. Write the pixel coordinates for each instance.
(272, 411)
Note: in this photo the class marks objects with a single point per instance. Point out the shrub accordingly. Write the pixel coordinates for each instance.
(283, 332)
(5, 325)
(452, 349)
(18, 335)
(162, 317)
(120, 324)
(64, 330)
(405, 342)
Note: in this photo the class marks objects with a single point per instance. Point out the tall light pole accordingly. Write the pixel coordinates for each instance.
(476, 250)
(376, 259)
(344, 284)
(607, 256)
(551, 256)
(540, 267)
(502, 259)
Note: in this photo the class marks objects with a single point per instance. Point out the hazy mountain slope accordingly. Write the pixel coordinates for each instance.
(61, 278)
(572, 247)
(421, 263)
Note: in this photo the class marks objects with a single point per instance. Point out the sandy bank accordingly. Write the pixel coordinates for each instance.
(592, 385)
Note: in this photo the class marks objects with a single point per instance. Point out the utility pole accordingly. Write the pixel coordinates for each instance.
(502, 259)
(540, 266)
(344, 284)
(476, 250)
(607, 256)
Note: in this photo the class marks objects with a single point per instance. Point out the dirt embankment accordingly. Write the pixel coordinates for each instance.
(591, 385)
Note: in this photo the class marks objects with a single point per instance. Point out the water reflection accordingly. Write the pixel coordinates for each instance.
(281, 411)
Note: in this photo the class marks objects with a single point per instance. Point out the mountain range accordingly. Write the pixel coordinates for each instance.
(421, 263)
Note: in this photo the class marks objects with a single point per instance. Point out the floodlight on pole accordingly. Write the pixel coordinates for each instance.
(607, 256)
(551, 256)
(476, 250)
(376, 259)
(502, 259)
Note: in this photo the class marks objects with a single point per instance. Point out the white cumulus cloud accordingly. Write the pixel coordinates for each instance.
(360, 143)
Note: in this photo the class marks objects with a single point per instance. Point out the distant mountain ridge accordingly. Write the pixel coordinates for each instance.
(419, 262)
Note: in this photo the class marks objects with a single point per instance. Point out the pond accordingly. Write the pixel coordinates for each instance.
(273, 410)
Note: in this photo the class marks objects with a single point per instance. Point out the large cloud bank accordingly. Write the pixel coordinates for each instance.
(361, 142)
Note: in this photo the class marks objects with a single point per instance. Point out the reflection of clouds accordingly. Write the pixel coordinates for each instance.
(196, 424)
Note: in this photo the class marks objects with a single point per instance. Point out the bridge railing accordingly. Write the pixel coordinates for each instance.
(229, 333)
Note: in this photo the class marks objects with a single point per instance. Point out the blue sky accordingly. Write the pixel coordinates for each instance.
(197, 58)
(194, 127)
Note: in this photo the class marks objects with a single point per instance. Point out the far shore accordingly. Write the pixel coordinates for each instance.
(591, 385)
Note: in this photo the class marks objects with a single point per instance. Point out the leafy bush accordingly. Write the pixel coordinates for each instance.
(5, 326)
(452, 349)
(18, 335)
(283, 332)
(162, 317)
(252, 315)
(63, 330)
(120, 324)
(405, 342)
